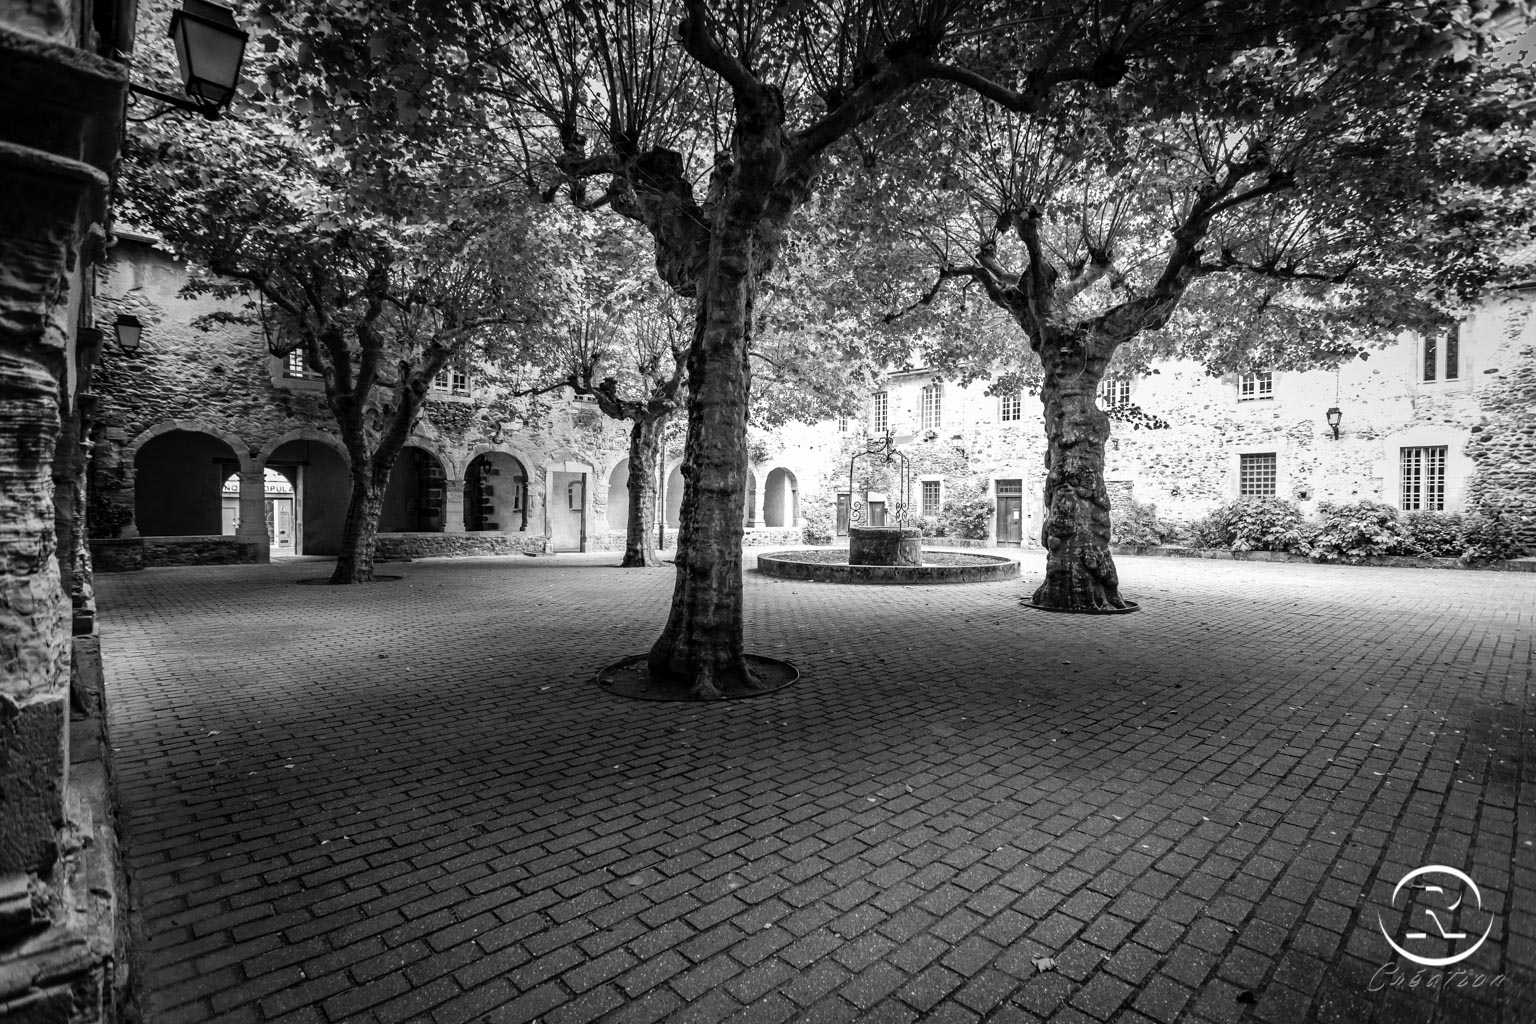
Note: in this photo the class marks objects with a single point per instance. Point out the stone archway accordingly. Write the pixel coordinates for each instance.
(495, 493)
(675, 495)
(319, 468)
(618, 497)
(781, 498)
(415, 500)
(179, 473)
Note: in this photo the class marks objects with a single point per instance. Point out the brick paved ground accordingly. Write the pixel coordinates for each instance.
(409, 802)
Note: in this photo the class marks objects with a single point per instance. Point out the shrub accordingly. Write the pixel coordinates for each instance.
(817, 519)
(1488, 537)
(1137, 525)
(1262, 524)
(967, 512)
(1360, 530)
(1438, 534)
(930, 526)
(1209, 531)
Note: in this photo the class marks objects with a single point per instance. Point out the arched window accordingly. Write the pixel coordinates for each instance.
(573, 496)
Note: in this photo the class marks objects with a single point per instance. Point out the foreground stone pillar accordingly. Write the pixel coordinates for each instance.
(58, 138)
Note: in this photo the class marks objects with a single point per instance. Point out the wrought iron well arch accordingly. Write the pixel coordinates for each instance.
(885, 448)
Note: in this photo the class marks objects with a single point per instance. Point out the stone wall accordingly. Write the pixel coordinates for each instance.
(1503, 442)
(458, 545)
(1485, 417)
(201, 403)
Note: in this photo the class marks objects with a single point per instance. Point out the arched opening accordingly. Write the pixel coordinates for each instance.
(282, 527)
(179, 482)
(414, 499)
(322, 488)
(567, 506)
(675, 496)
(781, 499)
(618, 497)
(495, 494)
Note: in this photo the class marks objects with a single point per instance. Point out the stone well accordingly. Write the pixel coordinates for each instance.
(885, 545)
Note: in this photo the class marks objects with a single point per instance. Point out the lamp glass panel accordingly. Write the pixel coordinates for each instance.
(210, 60)
(128, 330)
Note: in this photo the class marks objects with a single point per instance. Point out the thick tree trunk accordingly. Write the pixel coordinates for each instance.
(360, 533)
(1079, 573)
(702, 641)
(639, 528)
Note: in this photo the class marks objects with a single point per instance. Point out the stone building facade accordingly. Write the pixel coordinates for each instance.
(208, 449)
(63, 90)
(1441, 423)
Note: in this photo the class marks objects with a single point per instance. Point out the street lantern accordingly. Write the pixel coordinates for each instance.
(210, 48)
(1334, 416)
(128, 329)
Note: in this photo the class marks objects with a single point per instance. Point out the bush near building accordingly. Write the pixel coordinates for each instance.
(1341, 532)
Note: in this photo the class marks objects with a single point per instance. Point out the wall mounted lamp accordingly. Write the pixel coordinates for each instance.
(210, 48)
(1334, 416)
(128, 330)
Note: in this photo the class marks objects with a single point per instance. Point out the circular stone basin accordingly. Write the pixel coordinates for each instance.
(822, 566)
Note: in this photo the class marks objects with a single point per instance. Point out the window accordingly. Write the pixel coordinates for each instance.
(879, 421)
(1424, 479)
(931, 498)
(842, 424)
(295, 366)
(1114, 391)
(451, 380)
(573, 496)
(1254, 386)
(1012, 406)
(1442, 355)
(1256, 476)
(933, 401)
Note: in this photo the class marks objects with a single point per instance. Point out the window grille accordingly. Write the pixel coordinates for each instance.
(1256, 476)
(1010, 488)
(879, 421)
(451, 380)
(931, 497)
(1114, 391)
(1255, 386)
(1424, 479)
(295, 365)
(1012, 406)
(933, 401)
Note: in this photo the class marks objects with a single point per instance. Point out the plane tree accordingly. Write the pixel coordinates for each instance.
(1301, 213)
(627, 352)
(709, 125)
(377, 281)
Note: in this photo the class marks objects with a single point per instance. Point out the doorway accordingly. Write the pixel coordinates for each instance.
(568, 512)
(1010, 513)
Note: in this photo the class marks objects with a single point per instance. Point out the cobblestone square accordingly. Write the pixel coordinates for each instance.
(410, 802)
